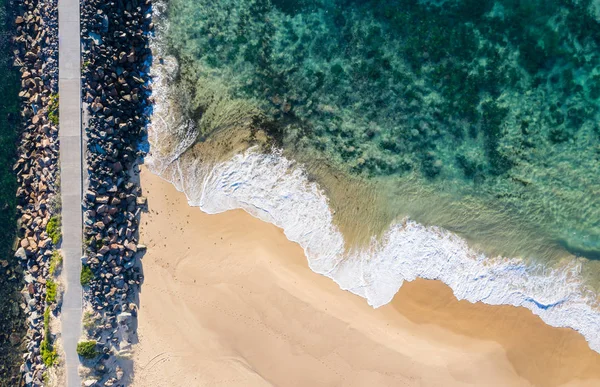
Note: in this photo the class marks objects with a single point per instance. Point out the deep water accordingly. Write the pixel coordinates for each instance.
(478, 116)
(10, 317)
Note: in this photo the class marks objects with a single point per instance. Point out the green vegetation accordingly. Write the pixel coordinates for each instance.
(53, 229)
(87, 349)
(55, 262)
(90, 243)
(53, 109)
(49, 355)
(11, 320)
(86, 275)
(51, 288)
(89, 321)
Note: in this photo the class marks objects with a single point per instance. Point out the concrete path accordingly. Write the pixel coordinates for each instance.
(69, 85)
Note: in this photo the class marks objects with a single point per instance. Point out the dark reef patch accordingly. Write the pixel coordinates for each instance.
(496, 100)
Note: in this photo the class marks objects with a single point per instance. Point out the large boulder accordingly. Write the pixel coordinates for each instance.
(20, 253)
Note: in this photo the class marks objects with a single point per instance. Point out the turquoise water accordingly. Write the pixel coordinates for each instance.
(479, 116)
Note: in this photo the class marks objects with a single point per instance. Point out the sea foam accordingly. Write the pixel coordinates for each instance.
(276, 190)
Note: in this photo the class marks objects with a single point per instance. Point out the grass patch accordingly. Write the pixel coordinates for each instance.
(90, 243)
(51, 288)
(55, 262)
(53, 109)
(49, 355)
(86, 275)
(53, 229)
(87, 349)
(89, 321)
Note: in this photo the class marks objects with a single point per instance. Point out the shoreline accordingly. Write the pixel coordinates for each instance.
(280, 191)
(424, 319)
(116, 89)
(276, 190)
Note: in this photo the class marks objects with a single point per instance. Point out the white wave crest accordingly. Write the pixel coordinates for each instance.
(274, 189)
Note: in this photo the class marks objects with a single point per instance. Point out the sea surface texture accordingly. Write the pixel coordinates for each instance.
(451, 140)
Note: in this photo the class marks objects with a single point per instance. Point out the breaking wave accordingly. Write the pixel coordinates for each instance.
(275, 189)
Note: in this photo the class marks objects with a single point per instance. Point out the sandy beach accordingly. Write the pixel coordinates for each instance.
(228, 301)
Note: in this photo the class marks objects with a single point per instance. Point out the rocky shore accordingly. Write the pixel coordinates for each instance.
(116, 91)
(37, 196)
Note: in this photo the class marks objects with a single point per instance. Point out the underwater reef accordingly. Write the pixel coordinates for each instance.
(492, 100)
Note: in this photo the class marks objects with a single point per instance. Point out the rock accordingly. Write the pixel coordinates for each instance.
(3, 263)
(96, 107)
(119, 373)
(14, 339)
(45, 243)
(123, 317)
(31, 56)
(90, 382)
(90, 196)
(102, 199)
(33, 244)
(131, 246)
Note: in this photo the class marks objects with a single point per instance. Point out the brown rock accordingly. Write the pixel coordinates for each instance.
(132, 246)
(102, 199)
(14, 339)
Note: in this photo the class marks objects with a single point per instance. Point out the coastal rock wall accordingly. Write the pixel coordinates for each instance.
(116, 60)
(38, 208)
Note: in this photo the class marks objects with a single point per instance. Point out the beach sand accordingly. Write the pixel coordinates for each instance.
(229, 301)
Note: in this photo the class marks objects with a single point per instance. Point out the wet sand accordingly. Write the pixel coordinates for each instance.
(229, 301)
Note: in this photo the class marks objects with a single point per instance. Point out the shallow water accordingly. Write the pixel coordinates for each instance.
(488, 108)
(477, 117)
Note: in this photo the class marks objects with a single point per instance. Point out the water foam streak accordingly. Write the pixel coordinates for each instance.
(276, 190)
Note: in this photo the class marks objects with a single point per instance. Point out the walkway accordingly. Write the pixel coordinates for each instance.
(69, 85)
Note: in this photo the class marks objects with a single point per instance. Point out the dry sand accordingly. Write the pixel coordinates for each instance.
(229, 301)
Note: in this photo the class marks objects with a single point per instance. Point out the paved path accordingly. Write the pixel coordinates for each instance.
(69, 85)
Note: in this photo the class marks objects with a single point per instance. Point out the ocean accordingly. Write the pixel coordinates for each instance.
(450, 140)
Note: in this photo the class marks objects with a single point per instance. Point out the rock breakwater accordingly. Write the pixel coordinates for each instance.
(37, 196)
(116, 92)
